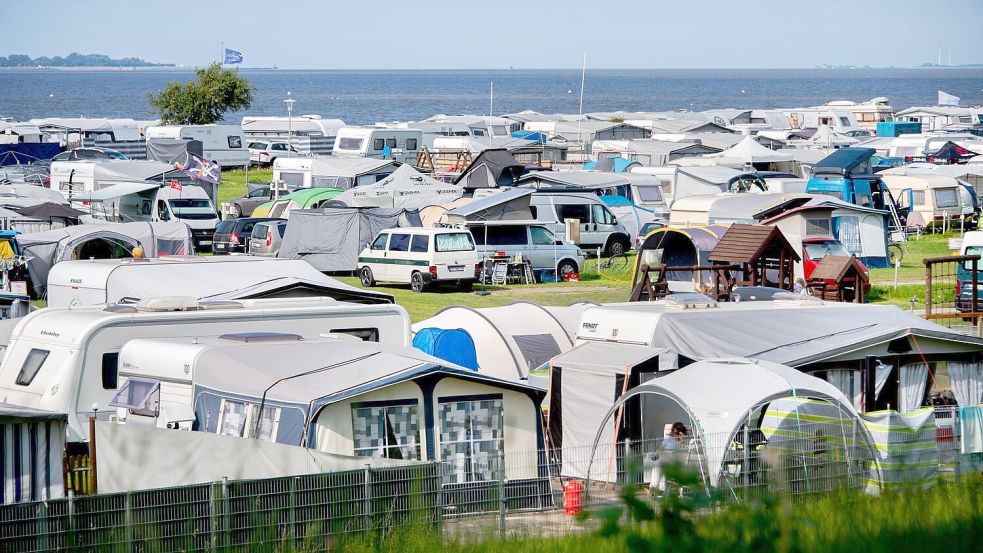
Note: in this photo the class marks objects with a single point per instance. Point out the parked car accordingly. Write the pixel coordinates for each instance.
(233, 235)
(972, 244)
(646, 229)
(89, 153)
(538, 243)
(265, 152)
(244, 205)
(421, 257)
(813, 251)
(267, 237)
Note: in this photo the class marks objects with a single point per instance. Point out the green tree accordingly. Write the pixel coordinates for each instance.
(204, 100)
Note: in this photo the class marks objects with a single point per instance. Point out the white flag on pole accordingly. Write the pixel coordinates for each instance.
(946, 99)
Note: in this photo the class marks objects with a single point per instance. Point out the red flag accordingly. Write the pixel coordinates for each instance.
(175, 185)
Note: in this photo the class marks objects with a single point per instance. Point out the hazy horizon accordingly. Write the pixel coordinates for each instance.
(440, 35)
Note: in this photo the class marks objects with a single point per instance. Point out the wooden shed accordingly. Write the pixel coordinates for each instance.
(839, 278)
(764, 254)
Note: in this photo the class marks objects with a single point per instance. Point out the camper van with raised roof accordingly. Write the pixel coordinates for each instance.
(66, 360)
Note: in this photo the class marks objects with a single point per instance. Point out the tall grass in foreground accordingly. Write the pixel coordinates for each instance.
(947, 518)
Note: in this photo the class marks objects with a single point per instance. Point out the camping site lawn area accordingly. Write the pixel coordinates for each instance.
(234, 182)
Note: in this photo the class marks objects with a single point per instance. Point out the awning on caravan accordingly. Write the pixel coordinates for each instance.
(508, 205)
(405, 188)
(34, 444)
(115, 191)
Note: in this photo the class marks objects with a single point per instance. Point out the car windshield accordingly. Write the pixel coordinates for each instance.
(192, 208)
(225, 227)
(115, 155)
(818, 250)
(257, 145)
(454, 242)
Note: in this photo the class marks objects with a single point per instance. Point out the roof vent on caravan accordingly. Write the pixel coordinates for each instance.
(690, 301)
(259, 337)
(120, 308)
(340, 336)
(212, 305)
(168, 303)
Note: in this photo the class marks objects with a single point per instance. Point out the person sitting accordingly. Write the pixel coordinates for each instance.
(677, 437)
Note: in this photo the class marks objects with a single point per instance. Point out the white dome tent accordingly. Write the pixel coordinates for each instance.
(510, 340)
(725, 404)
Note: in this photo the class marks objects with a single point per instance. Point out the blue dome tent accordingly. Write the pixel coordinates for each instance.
(453, 345)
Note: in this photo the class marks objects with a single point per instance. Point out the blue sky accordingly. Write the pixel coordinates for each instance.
(408, 34)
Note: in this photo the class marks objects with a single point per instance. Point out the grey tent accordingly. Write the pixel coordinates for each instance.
(405, 188)
(331, 238)
(44, 249)
(172, 150)
(50, 211)
(491, 169)
(508, 205)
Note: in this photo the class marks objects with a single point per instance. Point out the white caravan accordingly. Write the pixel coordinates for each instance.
(76, 177)
(223, 144)
(331, 172)
(401, 144)
(129, 202)
(67, 360)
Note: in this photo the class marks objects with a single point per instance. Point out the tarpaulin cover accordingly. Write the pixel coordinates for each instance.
(331, 238)
(454, 345)
(20, 154)
(172, 150)
(135, 457)
(907, 451)
(44, 249)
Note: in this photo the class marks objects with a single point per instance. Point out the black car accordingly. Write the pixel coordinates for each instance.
(232, 235)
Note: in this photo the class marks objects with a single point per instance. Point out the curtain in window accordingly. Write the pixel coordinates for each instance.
(850, 234)
(233, 418)
(387, 432)
(914, 378)
(456, 242)
(881, 372)
(966, 381)
(471, 439)
(848, 382)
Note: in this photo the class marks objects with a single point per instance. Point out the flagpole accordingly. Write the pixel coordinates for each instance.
(221, 58)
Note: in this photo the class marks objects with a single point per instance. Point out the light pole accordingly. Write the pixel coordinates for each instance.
(290, 111)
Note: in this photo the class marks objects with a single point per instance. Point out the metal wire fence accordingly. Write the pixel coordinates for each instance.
(519, 493)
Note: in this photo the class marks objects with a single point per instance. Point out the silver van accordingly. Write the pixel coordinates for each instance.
(599, 228)
(531, 239)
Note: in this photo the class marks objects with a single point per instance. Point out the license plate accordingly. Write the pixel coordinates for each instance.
(205, 242)
(455, 268)
(219, 246)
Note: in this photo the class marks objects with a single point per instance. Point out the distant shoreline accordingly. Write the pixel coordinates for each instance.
(186, 68)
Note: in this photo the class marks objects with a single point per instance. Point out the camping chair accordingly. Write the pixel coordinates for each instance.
(652, 283)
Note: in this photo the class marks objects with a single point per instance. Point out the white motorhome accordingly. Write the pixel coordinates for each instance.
(401, 144)
(331, 172)
(128, 202)
(67, 360)
(223, 144)
(77, 177)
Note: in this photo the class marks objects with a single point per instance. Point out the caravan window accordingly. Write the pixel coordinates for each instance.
(818, 227)
(410, 143)
(844, 121)
(918, 197)
(235, 141)
(649, 193)
(363, 334)
(292, 179)
(110, 370)
(573, 211)
(378, 144)
(472, 430)
(390, 143)
(390, 431)
(350, 143)
(399, 243)
(946, 197)
(238, 418)
(32, 364)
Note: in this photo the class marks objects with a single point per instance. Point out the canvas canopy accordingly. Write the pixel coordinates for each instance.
(588, 180)
(511, 204)
(405, 188)
(717, 397)
(28, 194)
(749, 151)
(331, 238)
(491, 169)
(45, 249)
(172, 150)
(680, 247)
(203, 278)
(510, 340)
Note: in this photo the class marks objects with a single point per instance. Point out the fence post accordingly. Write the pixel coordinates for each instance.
(367, 488)
(928, 288)
(291, 508)
(71, 541)
(93, 476)
(128, 521)
(226, 523)
(502, 504)
(973, 305)
(213, 516)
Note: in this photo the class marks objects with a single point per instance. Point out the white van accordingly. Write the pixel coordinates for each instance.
(223, 144)
(530, 239)
(420, 257)
(129, 202)
(66, 360)
(599, 228)
(402, 144)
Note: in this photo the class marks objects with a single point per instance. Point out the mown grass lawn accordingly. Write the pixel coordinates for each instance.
(234, 182)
